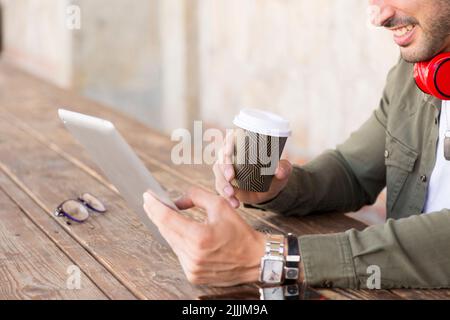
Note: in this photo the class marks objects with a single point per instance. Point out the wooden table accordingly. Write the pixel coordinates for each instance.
(41, 165)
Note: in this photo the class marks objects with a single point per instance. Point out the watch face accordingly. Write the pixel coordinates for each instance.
(292, 290)
(276, 293)
(272, 271)
(291, 273)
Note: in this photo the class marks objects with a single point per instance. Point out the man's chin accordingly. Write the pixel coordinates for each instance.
(419, 51)
(408, 57)
(412, 55)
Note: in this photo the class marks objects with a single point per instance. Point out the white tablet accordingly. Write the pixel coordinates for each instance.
(118, 161)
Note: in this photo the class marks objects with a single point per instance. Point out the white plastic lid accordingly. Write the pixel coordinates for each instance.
(262, 122)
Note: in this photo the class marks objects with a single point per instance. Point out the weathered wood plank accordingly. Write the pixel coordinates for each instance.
(31, 266)
(116, 239)
(443, 294)
(106, 282)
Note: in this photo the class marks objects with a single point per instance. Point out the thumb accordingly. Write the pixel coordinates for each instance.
(283, 170)
(197, 197)
(214, 205)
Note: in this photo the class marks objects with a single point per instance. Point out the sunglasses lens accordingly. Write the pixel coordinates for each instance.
(93, 202)
(75, 210)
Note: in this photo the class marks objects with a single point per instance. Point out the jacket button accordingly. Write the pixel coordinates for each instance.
(386, 154)
(423, 178)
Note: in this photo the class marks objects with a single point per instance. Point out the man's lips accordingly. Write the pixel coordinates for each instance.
(404, 35)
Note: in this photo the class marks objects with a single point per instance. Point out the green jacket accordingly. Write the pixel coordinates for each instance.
(395, 148)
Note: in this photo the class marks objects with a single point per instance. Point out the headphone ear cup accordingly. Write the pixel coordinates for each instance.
(441, 77)
(420, 76)
(433, 77)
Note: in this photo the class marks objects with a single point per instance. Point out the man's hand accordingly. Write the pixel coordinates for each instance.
(223, 251)
(224, 173)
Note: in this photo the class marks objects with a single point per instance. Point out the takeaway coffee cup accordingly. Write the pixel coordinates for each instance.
(259, 140)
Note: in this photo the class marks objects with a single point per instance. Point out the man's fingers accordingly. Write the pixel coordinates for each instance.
(228, 149)
(224, 171)
(234, 202)
(214, 205)
(228, 171)
(184, 203)
(225, 154)
(220, 182)
(167, 220)
(225, 158)
(201, 198)
(223, 187)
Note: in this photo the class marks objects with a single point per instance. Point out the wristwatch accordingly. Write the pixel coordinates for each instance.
(272, 263)
(288, 292)
(291, 269)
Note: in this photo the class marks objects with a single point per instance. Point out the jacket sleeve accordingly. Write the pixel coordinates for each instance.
(409, 253)
(344, 179)
(340, 180)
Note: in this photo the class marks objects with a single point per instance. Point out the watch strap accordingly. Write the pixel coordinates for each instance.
(275, 246)
(293, 252)
(274, 251)
(292, 268)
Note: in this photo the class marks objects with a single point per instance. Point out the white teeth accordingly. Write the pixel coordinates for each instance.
(404, 30)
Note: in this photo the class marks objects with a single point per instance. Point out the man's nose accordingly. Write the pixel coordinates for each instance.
(381, 11)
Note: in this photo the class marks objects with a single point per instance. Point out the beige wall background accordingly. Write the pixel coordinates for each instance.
(117, 56)
(316, 62)
(35, 38)
(169, 62)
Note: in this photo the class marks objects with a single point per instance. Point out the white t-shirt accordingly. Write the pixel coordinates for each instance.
(438, 195)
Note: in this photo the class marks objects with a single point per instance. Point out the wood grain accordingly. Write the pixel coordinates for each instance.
(109, 285)
(117, 239)
(31, 266)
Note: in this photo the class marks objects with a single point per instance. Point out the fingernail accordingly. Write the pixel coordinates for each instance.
(228, 190)
(228, 173)
(234, 203)
(146, 197)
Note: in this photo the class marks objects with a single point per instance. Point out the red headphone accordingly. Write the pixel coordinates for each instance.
(433, 77)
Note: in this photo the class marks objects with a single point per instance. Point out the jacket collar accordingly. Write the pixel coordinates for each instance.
(437, 103)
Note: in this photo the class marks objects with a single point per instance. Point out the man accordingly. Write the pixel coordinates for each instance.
(398, 147)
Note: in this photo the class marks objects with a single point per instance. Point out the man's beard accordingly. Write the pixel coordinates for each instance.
(436, 36)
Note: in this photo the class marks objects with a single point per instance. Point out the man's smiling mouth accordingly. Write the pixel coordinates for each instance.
(404, 35)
